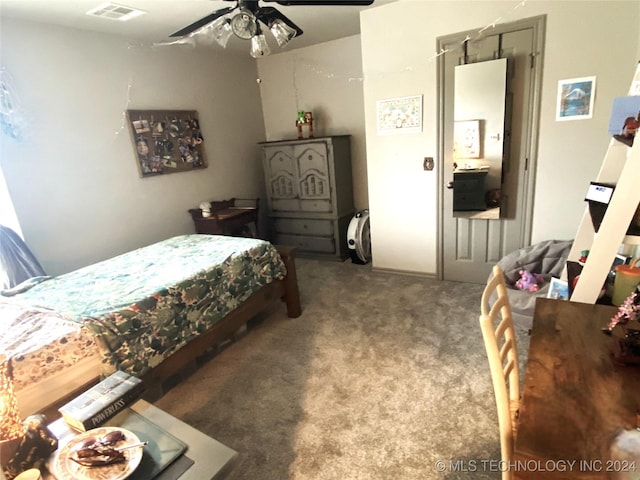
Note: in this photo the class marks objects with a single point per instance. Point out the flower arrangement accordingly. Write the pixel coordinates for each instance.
(628, 311)
(628, 347)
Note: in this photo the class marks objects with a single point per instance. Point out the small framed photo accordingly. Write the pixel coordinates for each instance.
(575, 98)
(466, 139)
(558, 289)
(619, 260)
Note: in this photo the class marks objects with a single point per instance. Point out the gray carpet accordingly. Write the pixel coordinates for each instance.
(382, 376)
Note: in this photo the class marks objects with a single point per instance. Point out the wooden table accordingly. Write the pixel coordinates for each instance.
(229, 217)
(575, 397)
(226, 221)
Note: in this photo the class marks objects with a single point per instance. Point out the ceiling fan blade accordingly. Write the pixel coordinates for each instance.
(268, 14)
(202, 22)
(288, 3)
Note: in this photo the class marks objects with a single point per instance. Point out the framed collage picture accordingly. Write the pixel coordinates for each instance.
(166, 141)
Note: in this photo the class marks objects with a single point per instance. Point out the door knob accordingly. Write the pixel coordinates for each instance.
(450, 185)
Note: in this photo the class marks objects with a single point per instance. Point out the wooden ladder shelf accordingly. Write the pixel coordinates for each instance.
(621, 166)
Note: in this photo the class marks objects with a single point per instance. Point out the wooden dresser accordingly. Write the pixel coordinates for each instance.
(469, 189)
(310, 194)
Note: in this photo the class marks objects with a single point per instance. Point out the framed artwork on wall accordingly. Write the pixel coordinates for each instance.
(466, 139)
(399, 115)
(625, 119)
(575, 98)
(166, 141)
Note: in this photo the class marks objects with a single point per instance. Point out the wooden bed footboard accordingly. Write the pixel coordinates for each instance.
(291, 293)
(285, 289)
(181, 361)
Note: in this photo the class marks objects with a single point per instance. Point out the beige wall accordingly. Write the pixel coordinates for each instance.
(583, 38)
(73, 178)
(75, 185)
(325, 79)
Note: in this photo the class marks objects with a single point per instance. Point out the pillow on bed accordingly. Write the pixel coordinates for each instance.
(24, 286)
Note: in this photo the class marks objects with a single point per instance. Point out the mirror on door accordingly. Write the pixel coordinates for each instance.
(478, 138)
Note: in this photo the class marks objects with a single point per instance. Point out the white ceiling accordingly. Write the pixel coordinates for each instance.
(164, 17)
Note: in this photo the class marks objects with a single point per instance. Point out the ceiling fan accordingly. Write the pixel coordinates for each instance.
(243, 20)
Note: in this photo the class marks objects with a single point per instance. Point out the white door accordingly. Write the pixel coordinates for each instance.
(470, 246)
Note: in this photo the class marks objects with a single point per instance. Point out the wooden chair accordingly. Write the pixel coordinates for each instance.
(498, 333)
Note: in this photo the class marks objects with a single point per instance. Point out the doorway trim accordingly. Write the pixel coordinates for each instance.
(538, 25)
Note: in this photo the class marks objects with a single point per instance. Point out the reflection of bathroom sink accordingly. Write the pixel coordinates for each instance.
(471, 169)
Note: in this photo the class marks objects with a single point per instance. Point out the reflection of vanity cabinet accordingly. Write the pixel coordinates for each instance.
(310, 194)
(469, 189)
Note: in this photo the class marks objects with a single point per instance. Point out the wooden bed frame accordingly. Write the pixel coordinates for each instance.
(285, 289)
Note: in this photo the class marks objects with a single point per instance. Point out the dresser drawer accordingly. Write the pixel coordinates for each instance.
(307, 243)
(300, 205)
(304, 226)
(316, 205)
(284, 204)
(468, 200)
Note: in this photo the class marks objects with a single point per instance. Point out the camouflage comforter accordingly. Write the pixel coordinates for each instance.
(146, 304)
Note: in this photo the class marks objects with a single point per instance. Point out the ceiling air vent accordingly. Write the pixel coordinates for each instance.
(114, 11)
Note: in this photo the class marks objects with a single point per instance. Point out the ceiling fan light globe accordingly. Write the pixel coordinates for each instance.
(204, 36)
(282, 32)
(221, 31)
(259, 46)
(244, 24)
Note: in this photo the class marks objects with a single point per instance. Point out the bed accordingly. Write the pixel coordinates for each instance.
(149, 312)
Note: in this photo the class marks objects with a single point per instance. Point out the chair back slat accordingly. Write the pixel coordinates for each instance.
(505, 350)
(498, 332)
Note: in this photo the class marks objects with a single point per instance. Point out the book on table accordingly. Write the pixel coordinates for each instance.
(102, 401)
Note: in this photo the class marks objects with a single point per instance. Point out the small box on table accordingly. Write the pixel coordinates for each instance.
(102, 401)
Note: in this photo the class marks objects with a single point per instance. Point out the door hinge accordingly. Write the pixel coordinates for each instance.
(533, 60)
(526, 164)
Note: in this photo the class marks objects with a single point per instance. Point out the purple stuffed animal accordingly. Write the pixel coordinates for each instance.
(529, 281)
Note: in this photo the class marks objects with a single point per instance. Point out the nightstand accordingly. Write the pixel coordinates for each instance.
(469, 189)
(229, 217)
